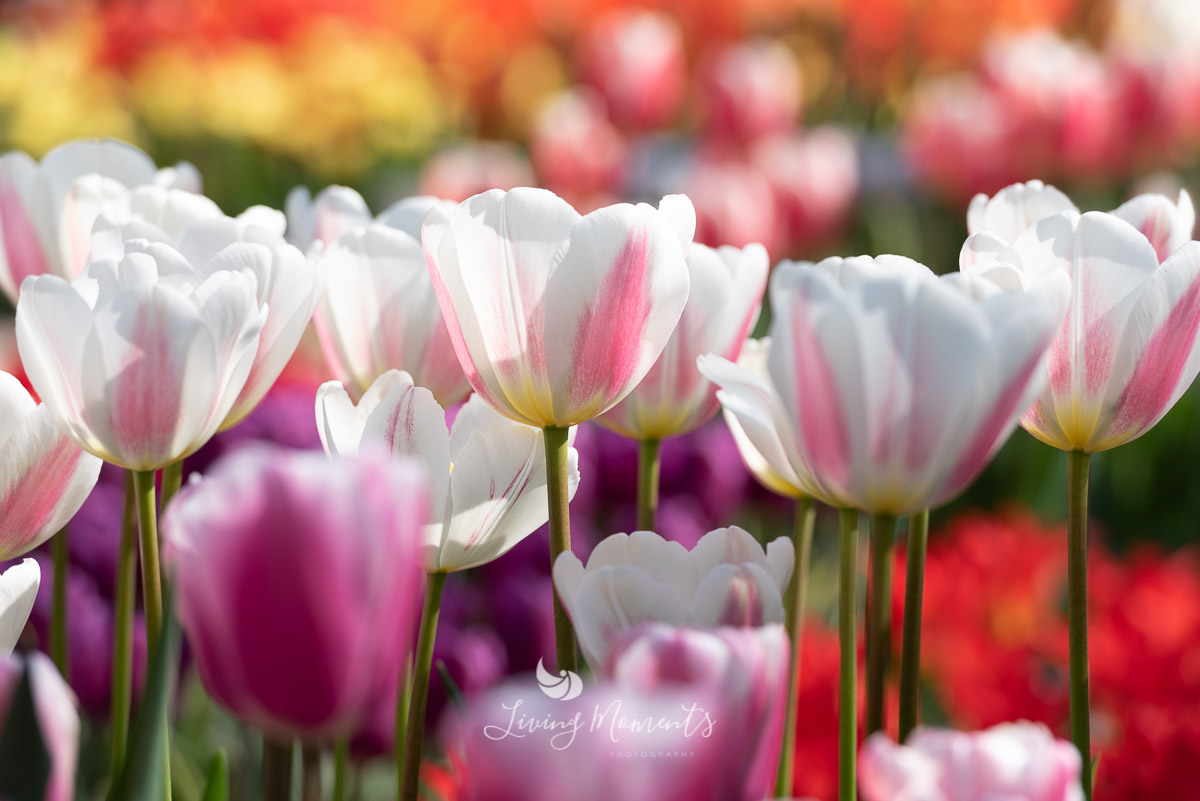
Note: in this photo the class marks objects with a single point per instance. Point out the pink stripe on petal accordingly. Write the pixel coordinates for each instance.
(146, 393)
(22, 247)
(33, 499)
(743, 603)
(608, 341)
(1160, 368)
(822, 426)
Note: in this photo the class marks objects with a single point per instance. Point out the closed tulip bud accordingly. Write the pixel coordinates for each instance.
(576, 149)
(555, 316)
(57, 717)
(635, 59)
(726, 580)
(297, 582)
(750, 90)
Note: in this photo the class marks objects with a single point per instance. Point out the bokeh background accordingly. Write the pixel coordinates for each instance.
(813, 126)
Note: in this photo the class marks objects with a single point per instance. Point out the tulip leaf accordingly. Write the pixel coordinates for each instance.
(217, 786)
(24, 759)
(145, 773)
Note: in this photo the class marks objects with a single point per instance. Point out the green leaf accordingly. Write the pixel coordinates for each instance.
(145, 774)
(217, 786)
(24, 759)
(452, 692)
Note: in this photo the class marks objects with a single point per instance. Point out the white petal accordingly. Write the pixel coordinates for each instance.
(18, 588)
(736, 595)
(1015, 208)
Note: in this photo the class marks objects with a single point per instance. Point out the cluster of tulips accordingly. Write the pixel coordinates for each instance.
(147, 320)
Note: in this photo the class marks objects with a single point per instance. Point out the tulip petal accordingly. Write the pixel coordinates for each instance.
(26, 223)
(664, 560)
(18, 588)
(1014, 208)
(736, 595)
(1167, 225)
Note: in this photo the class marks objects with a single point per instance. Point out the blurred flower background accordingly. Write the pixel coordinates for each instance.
(811, 126)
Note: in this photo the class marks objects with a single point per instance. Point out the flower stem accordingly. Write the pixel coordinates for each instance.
(879, 620)
(172, 480)
(339, 770)
(143, 486)
(403, 701)
(310, 783)
(276, 770)
(806, 514)
(123, 605)
(58, 614)
(560, 535)
(414, 739)
(910, 651)
(848, 640)
(1078, 463)
(647, 486)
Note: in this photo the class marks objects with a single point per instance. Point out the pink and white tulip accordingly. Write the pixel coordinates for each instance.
(636, 61)
(555, 316)
(576, 149)
(47, 209)
(727, 286)
(335, 210)
(380, 312)
(18, 589)
(141, 360)
(750, 90)
(710, 699)
(44, 476)
(890, 389)
(298, 581)
(56, 710)
(487, 473)
(726, 580)
(1011, 761)
(1128, 348)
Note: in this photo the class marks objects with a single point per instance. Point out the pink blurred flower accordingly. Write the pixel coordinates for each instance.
(467, 169)
(735, 203)
(47, 213)
(1017, 761)
(750, 89)
(588, 302)
(576, 149)
(297, 580)
(815, 178)
(635, 60)
(727, 286)
(57, 717)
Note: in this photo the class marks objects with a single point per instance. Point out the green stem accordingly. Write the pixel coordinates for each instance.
(414, 740)
(403, 701)
(806, 514)
(143, 486)
(848, 640)
(910, 650)
(560, 536)
(58, 614)
(123, 607)
(172, 480)
(310, 783)
(339, 770)
(647, 486)
(879, 618)
(1077, 616)
(276, 770)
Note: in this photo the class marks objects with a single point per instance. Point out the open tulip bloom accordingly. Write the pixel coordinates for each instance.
(1127, 350)
(488, 480)
(556, 316)
(380, 311)
(888, 389)
(726, 580)
(49, 208)
(724, 298)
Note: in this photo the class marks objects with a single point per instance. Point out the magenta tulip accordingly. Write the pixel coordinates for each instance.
(298, 581)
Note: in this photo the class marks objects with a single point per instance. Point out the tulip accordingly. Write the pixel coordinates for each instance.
(735, 203)
(140, 360)
(57, 717)
(18, 589)
(726, 291)
(575, 147)
(555, 317)
(726, 580)
(465, 170)
(488, 474)
(336, 210)
(636, 61)
(750, 90)
(1018, 761)
(710, 694)
(1126, 352)
(380, 312)
(296, 580)
(46, 477)
(47, 215)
